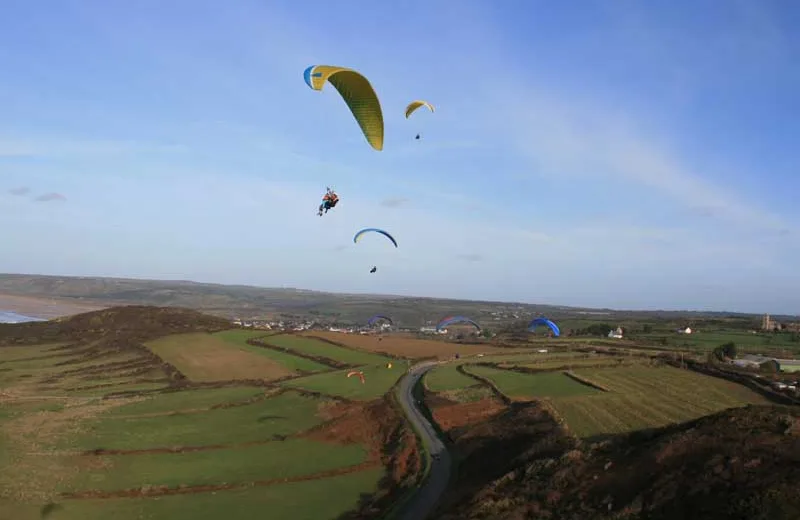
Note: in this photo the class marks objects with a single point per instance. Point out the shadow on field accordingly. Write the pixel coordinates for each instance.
(264, 418)
(49, 508)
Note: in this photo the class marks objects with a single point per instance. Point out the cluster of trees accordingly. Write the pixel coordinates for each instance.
(725, 352)
(596, 329)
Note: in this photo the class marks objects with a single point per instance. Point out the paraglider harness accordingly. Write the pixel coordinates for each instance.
(329, 201)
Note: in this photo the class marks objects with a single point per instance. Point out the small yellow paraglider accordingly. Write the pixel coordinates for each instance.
(388, 365)
(414, 105)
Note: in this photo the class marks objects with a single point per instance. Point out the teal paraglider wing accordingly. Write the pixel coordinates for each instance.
(364, 231)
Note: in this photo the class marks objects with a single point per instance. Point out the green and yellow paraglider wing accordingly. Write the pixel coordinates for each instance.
(357, 92)
(414, 105)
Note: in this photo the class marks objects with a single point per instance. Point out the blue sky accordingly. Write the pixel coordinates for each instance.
(620, 154)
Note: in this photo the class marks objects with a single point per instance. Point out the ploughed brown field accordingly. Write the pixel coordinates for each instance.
(405, 345)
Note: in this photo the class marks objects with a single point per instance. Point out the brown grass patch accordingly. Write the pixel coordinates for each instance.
(36, 470)
(458, 415)
(405, 345)
(202, 357)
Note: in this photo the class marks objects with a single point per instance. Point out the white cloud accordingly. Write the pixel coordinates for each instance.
(395, 202)
(22, 190)
(50, 146)
(50, 197)
(564, 137)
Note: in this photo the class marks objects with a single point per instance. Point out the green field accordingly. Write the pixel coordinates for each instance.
(318, 499)
(706, 340)
(378, 381)
(293, 363)
(644, 397)
(446, 377)
(519, 385)
(210, 358)
(248, 437)
(275, 460)
(315, 347)
(260, 421)
(570, 363)
(187, 401)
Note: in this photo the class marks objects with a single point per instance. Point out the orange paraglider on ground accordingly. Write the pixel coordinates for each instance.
(359, 374)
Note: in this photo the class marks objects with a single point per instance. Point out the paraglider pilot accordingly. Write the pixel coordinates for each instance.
(329, 201)
(374, 268)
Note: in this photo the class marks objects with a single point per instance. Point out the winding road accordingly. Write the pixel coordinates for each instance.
(430, 491)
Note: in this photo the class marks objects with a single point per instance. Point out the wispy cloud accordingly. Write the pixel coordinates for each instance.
(22, 190)
(47, 146)
(470, 257)
(562, 137)
(50, 197)
(395, 202)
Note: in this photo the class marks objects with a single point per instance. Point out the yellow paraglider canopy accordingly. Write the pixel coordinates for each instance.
(414, 105)
(357, 92)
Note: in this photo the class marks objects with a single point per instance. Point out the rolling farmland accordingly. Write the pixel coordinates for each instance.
(645, 397)
(204, 357)
(71, 449)
(523, 386)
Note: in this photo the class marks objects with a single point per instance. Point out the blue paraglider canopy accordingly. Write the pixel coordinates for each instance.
(378, 317)
(544, 321)
(450, 320)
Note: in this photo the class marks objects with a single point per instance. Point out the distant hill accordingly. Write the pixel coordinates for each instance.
(256, 302)
(134, 323)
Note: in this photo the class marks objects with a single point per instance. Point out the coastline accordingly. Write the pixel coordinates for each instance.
(13, 317)
(43, 308)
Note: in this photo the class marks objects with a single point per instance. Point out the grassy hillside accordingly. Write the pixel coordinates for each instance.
(147, 412)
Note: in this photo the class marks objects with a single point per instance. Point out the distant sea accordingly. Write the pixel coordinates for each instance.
(13, 317)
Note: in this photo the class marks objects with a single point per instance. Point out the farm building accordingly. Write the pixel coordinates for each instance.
(757, 362)
(615, 333)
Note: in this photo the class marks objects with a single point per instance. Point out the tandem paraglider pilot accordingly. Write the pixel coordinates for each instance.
(329, 201)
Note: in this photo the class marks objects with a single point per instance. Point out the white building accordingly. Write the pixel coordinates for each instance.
(432, 330)
(617, 333)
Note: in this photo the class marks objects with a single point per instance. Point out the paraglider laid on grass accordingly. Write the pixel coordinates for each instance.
(358, 373)
(544, 321)
(378, 317)
(451, 320)
(357, 93)
(329, 201)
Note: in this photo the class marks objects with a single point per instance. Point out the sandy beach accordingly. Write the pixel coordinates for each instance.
(46, 308)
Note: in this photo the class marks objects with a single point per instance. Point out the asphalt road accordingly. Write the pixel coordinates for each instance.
(430, 491)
